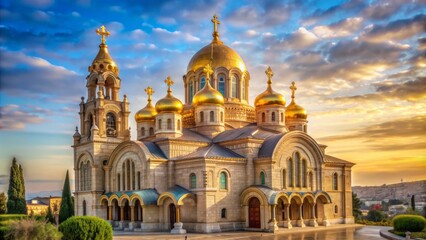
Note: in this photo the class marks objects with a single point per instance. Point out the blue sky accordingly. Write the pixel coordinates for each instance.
(359, 66)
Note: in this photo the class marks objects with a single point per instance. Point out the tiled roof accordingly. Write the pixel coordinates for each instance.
(212, 151)
(249, 131)
(269, 145)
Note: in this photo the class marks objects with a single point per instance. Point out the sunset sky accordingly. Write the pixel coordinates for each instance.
(359, 66)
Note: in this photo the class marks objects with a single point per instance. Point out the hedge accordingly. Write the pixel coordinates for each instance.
(5, 217)
(85, 228)
(412, 223)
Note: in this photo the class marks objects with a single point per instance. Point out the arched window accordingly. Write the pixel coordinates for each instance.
(84, 208)
(151, 131)
(85, 176)
(311, 181)
(284, 179)
(297, 168)
(143, 131)
(211, 116)
(243, 89)
(221, 85)
(111, 130)
(193, 180)
(282, 117)
(159, 124)
(221, 116)
(201, 116)
(262, 178)
(335, 184)
(304, 173)
(202, 82)
(273, 117)
(118, 182)
(191, 90)
(223, 181)
(290, 172)
(223, 213)
(234, 86)
(336, 209)
(128, 171)
(169, 123)
(178, 124)
(139, 180)
(263, 117)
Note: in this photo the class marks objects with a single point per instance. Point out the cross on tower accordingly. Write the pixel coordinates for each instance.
(293, 88)
(270, 74)
(215, 22)
(208, 71)
(149, 91)
(103, 32)
(169, 83)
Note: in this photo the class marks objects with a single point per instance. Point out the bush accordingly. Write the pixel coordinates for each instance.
(412, 223)
(32, 229)
(3, 232)
(376, 216)
(5, 217)
(85, 228)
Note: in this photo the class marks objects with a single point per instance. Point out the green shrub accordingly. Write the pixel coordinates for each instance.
(3, 232)
(32, 229)
(86, 228)
(412, 223)
(376, 215)
(5, 217)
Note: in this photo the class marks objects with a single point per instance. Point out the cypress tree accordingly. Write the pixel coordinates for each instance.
(67, 206)
(16, 193)
(3, 203)
(49, 216)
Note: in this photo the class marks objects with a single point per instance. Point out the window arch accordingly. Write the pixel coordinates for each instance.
(284, 179)
(111, 128)
(263, 117)
(221, 85)
(84, 208)
(128, 176)
(211, 116)
(193, 180)
(201, 116)
(304, 173)
(85, 176)
(262, 178)
(169, 123)
(335, 183)
(159, 124)
(223, 184)
(273, 116)
(297, 168)
(223, 213)
(202, 82)
(234, 86)
(151, 131)
(290, 172)
(143, 131)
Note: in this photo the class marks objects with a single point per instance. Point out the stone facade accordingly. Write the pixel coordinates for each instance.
(235, 171)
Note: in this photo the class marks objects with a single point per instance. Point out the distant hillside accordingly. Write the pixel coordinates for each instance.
(32, 195)
(392, 191)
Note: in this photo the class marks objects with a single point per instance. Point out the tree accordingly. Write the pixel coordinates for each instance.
(67, 206)
(49, 216)
(356, 206)
(3, 203)
(16, 193)
(413, 203)
(376, 215)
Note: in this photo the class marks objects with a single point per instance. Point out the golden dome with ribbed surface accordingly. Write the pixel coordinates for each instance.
(208, 95)
(147, 113)
(103, 61)
(169, 103)
(269, 96)
(294, 111)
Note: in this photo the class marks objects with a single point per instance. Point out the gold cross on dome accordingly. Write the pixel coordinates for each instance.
(149, 91)
(270, 74)
(208, 71)
(293, 88)
(103, 32)
(169, 83)
(215, 22)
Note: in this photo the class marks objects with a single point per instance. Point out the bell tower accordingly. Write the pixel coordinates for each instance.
(103, 125)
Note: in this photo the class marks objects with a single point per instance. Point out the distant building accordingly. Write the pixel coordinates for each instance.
(39, 205)
(369, 203)
(397, 209)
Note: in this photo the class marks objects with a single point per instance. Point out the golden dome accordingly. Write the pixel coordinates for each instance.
(223, 56)
(269, 96)
(208, 95)
(294, 111)
(103, 61)
(148, 112)
(169, 103)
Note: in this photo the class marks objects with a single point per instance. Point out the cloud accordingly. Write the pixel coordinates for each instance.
(13, 118)
(299, 39)
(343, 28)
(170, 36)
(348, 7)
(29, 76)
(396, 30)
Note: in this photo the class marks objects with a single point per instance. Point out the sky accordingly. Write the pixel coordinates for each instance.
(359, 67)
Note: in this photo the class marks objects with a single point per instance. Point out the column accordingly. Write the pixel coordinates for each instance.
(178, 225)
(132, 218)
(121, 222)
(177, 213)
(273, 222)
(110, 213)
(313, 221)
(300, 222)
(287, 221)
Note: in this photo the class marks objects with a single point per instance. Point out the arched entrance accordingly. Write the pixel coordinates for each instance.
(172, 215)
(254, 213)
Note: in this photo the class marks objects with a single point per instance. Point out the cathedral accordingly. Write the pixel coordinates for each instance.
(208, 163)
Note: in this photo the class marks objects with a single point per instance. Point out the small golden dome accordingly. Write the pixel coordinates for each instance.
(208, 95)
(148, 112)
(269, 96)
(103, 61)
(223, 56)
(294, 111)
(169, 103)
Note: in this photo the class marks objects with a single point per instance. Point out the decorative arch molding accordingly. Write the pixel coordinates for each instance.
(112, 108)
(323, 196)
(250, 192)
(110, 75)
(137, 148)
(91, 79)
(177, 200)
(228, 173)
(85, 155)
(283, 196)
(309, 196)
(121, 200)
(297, 197)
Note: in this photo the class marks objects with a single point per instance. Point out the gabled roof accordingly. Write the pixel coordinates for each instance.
(269, 145)
(154, 150)
(249, 131)
(212, 151)
(331, 159)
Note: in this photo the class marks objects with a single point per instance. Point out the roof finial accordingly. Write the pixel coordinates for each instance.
(208, 71)
(215, 35)
(169, 83)
(270, 74)
(293, 89)
(103, 32)
(149, 91)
